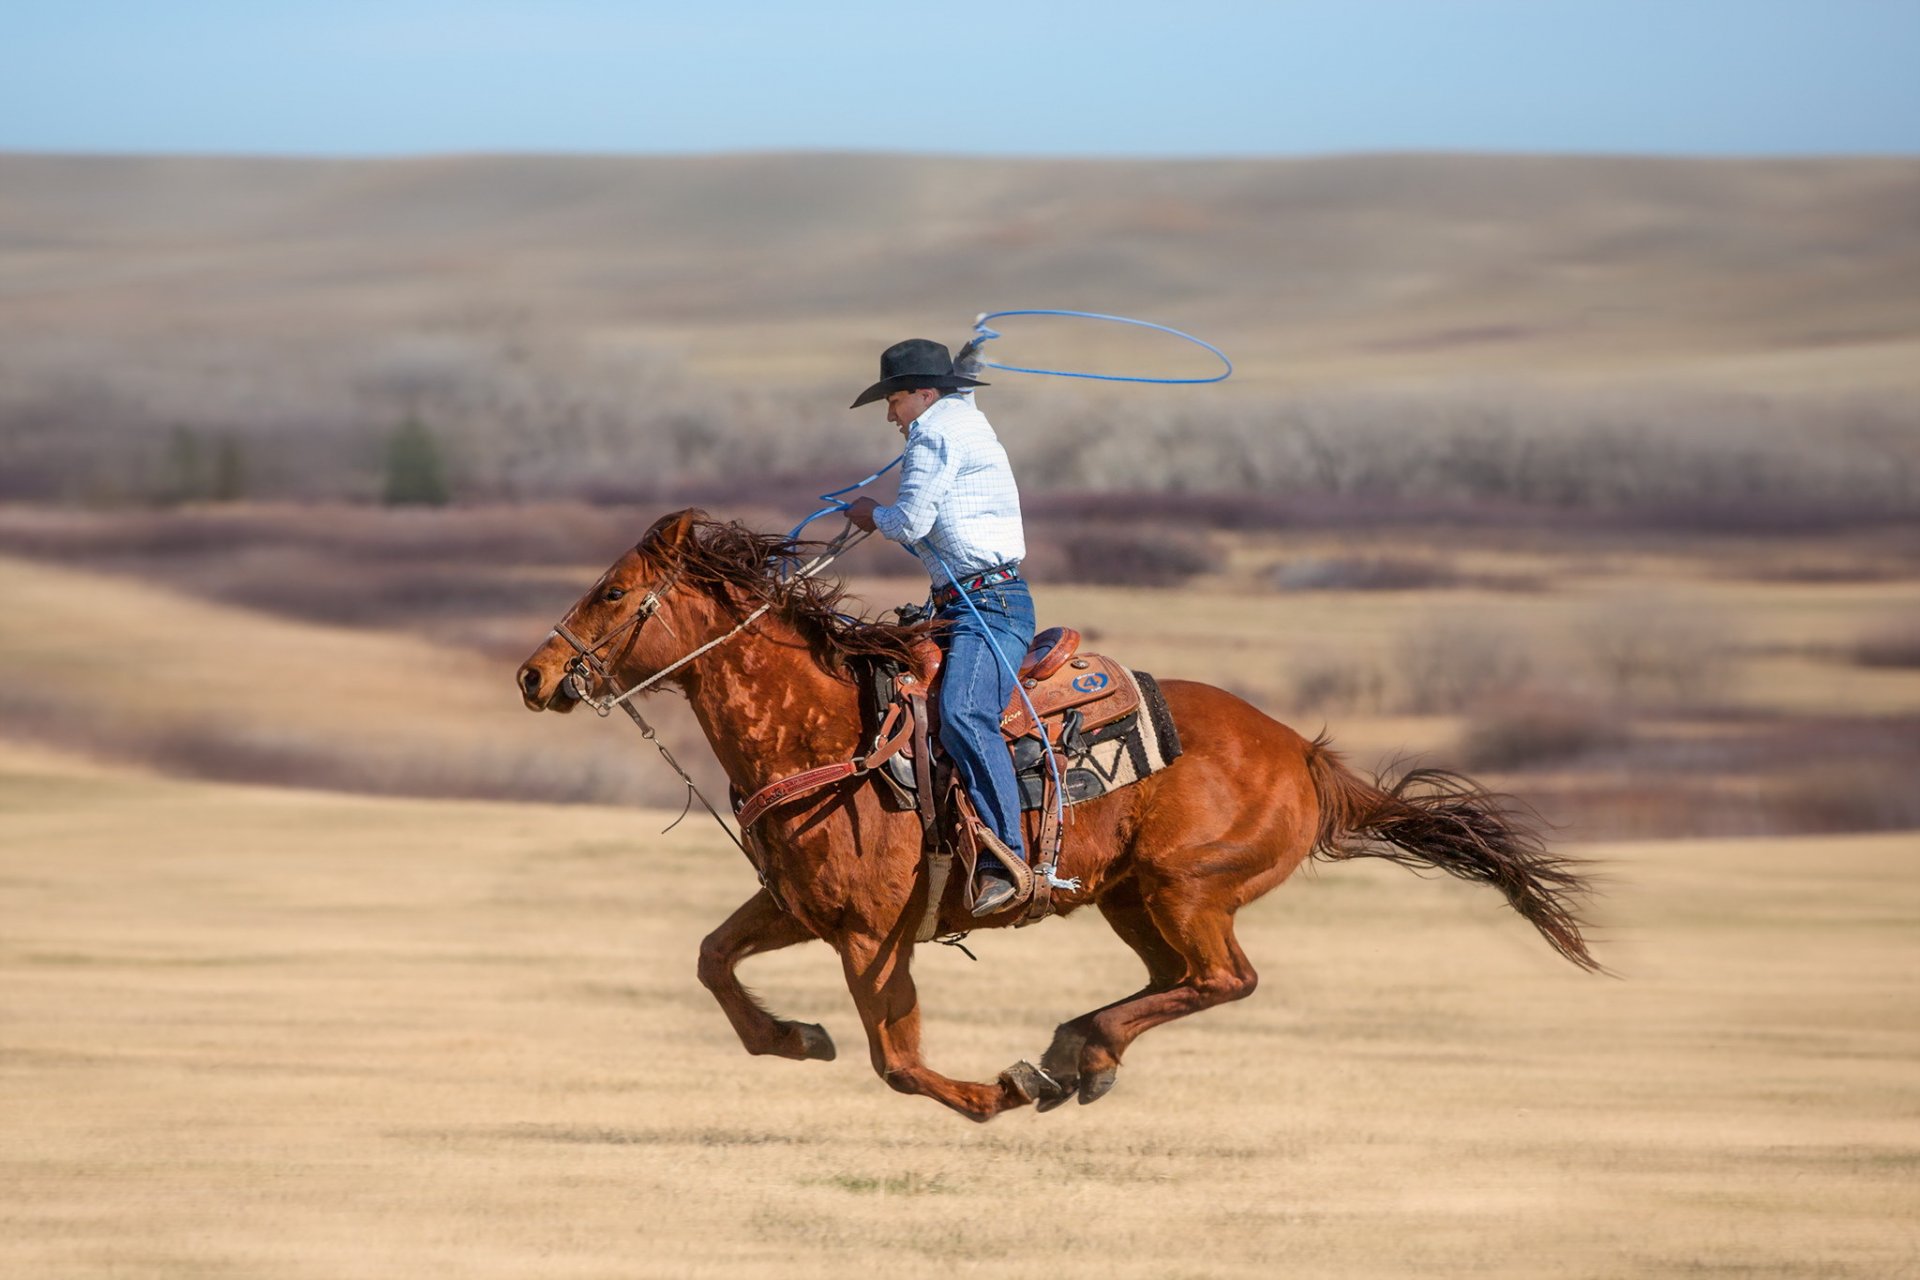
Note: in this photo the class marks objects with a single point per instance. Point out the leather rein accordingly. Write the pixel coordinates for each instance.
(895, 732)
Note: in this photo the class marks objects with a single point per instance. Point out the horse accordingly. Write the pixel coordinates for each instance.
(1167, 861)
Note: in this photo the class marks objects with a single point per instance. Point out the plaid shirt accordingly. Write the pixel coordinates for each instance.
(957, 492)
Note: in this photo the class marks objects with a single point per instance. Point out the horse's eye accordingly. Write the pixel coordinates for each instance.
(613, 593)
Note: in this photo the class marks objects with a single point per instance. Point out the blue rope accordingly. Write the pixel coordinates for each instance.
(833, 499)
(987, 335)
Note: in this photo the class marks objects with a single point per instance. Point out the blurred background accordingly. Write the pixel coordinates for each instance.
(1574, 434)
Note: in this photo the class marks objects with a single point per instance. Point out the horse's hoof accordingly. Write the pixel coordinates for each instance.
(1061, 1061)
(815, 1043)
(1094, 1084)
(1030, 1084)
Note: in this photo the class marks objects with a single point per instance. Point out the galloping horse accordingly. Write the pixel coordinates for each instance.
(1167, 861)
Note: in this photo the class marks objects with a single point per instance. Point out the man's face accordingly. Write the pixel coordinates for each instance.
(904, 407)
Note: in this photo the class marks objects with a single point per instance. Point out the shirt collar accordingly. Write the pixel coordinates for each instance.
(940, 408)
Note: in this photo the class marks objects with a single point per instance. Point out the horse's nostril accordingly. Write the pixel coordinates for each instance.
(530, 681)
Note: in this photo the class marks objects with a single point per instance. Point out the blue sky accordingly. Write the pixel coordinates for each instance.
(1119, 77)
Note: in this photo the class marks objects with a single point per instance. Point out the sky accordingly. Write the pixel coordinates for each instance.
(1114, 78)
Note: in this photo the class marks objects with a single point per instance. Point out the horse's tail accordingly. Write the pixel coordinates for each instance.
(1440, 819)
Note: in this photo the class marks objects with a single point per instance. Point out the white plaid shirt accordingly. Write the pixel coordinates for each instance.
(956, 492)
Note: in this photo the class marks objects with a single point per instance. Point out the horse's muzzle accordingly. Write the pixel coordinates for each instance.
(533, 684)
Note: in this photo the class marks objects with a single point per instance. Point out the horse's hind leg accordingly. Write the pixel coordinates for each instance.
(1127, 914)
(1193, 961)
(759, 925)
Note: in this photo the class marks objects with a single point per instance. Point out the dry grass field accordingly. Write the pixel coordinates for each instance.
(260, 1033)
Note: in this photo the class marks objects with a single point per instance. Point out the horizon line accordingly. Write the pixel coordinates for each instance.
(964, 156)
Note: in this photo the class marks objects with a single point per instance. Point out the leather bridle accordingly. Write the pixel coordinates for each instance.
(587, 659)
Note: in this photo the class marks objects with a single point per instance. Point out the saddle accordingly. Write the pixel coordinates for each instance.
(1056, 678)
(1085, 701)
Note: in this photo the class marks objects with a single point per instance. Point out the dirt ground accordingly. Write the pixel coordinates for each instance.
(260, 1033)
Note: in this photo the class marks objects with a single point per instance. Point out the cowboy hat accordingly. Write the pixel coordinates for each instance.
(910, 365)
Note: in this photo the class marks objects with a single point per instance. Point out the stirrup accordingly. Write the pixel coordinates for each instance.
(1015, 867)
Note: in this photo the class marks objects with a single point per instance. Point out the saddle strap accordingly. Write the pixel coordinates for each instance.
(1046, 857)
(939, 868)
(793, 787)
(895, 731)
(939, 857)
(923, 799)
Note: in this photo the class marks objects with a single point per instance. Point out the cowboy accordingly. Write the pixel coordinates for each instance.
(958, 510)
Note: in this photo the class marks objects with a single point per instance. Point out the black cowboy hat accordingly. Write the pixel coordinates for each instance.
(910, 365)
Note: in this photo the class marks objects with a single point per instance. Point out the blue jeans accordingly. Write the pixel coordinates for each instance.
(975, 688)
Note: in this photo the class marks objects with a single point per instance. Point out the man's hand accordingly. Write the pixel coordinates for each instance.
(861, 513)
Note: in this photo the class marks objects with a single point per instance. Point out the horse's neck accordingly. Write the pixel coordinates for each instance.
(769, 710)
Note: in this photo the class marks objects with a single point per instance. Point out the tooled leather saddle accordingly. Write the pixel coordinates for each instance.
(1082, 699)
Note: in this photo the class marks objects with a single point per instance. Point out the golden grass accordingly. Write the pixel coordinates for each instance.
(257, 1033)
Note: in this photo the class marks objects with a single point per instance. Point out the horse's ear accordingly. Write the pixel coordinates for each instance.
(672, 532)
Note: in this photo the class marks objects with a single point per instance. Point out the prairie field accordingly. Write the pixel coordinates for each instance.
(258, 1033)
(453, 1027)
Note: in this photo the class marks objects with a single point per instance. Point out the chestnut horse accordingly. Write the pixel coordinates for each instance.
(1167, 861)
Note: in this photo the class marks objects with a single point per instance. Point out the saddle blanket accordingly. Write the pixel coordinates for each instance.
(1097, 751)
(1095, 762)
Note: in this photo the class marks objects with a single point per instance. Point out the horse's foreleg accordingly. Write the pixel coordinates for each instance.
(879, 976)
(759, 925)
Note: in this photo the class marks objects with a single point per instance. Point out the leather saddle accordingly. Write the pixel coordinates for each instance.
(1074, 694)
(1055, 677)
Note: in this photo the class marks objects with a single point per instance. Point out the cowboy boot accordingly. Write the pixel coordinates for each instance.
(1001, 882)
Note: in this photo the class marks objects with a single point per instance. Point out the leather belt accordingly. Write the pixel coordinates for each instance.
(944, 596)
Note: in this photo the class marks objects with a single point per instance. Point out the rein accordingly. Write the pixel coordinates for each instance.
(587, 659)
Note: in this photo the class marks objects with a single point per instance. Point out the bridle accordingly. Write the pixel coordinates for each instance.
(586, 656)
(587, 661)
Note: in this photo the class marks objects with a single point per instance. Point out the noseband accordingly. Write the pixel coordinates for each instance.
(587, 660)
(587, 656)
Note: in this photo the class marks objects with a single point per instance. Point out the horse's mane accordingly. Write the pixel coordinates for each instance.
(725, 557)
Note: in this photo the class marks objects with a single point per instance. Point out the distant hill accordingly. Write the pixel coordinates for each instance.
(309, 299)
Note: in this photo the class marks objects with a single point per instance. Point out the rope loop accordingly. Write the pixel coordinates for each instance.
(987, 335)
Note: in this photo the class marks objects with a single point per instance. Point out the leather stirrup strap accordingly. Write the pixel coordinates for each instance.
(1046, 855)
(938, 856)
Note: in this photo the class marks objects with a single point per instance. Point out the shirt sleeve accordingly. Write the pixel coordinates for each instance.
(928, 472)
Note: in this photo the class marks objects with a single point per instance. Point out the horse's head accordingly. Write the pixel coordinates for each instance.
(639, 617)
